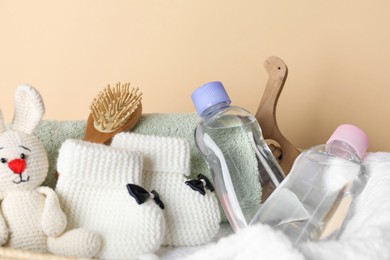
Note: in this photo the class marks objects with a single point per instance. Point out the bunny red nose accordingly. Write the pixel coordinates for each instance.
(17, 165)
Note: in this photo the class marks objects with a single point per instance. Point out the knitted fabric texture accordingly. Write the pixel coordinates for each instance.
(29, 109)
(24, 208)
(179, 125)
(92, 188)
(31, 215)
(191, 218)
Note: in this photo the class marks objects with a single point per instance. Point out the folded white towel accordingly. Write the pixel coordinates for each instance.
(366, 234)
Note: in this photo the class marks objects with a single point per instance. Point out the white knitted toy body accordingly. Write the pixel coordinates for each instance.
(15, 207)
(191, 218)
(93, 189)
(31, 217)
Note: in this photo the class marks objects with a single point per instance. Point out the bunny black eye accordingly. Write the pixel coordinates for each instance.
(3, 160)
(23, 156)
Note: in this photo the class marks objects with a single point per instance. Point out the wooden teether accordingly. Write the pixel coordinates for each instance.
(266, 113)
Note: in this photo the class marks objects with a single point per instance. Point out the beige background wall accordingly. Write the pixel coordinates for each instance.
(338, 54)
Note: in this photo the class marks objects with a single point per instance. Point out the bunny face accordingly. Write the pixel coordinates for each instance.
(23, 161)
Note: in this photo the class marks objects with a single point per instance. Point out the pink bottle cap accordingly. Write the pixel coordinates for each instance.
(353, 136)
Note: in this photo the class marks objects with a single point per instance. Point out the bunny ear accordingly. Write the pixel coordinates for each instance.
(29, 109)
(2, 124)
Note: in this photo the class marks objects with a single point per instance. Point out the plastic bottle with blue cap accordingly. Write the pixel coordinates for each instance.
(231, 141)
(314, 200)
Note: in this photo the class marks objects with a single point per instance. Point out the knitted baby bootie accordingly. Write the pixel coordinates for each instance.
(93, 187)
(192, 216)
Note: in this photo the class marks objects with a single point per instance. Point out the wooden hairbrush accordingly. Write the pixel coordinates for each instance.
(114, 110)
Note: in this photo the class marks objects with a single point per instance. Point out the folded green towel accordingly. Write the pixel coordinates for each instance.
(54, 133)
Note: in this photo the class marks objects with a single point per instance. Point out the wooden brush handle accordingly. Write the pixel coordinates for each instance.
(266, 112)
(95, 136)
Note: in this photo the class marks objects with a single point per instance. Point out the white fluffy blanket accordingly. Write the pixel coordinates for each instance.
(366, 236)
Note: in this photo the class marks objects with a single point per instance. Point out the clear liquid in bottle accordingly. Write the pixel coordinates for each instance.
(242, 166)
(313, 201)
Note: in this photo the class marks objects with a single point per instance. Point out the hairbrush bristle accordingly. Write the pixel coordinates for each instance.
(113, 106)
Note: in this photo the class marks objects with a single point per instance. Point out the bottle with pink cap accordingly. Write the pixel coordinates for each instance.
(313, 201)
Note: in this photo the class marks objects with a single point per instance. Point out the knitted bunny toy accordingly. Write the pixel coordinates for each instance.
(30, 216)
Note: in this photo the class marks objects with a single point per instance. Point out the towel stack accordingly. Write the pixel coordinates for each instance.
(176, 125)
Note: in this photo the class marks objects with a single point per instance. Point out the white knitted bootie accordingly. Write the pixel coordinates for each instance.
(192, 218)
(93, 189)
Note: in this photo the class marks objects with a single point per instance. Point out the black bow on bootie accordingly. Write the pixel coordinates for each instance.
(200, 184)
(141, 195)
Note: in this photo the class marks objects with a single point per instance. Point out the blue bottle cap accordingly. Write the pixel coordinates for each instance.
(208, 95)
